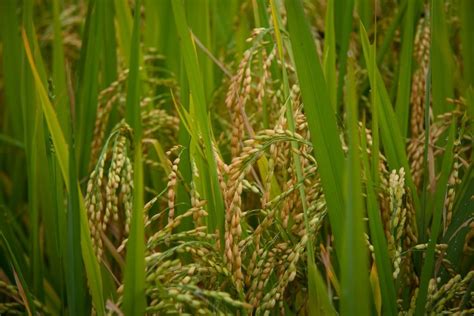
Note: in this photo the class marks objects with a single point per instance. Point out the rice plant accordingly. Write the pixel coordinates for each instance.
(256, 157)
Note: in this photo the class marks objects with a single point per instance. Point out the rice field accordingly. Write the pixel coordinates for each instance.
(236, 157)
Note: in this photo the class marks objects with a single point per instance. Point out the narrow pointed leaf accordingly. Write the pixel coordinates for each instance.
(354, 264)
(320, 114)
(404, 77)
(134, 274)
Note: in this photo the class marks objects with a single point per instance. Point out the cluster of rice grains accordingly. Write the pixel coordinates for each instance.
(261, 265)
(110, 186)
(268, 259)
(265, 237)
(273, 207)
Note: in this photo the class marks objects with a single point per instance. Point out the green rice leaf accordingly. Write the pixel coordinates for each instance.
(134, 274)
(365, 11)
(32, 124)
(51, 118)
(329, 53)
(442, 63)
(344, 9)
(467, 40)
(198, 15)
(124, 28)
(355, 296)
(320, 114)
(404, 78)
(88, 86)
(73, 267)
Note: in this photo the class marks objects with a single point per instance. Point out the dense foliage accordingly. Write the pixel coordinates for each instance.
(236, 157)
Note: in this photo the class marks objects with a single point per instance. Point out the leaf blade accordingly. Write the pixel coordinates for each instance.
(321, 119)
(354, 263)
(134, 275)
